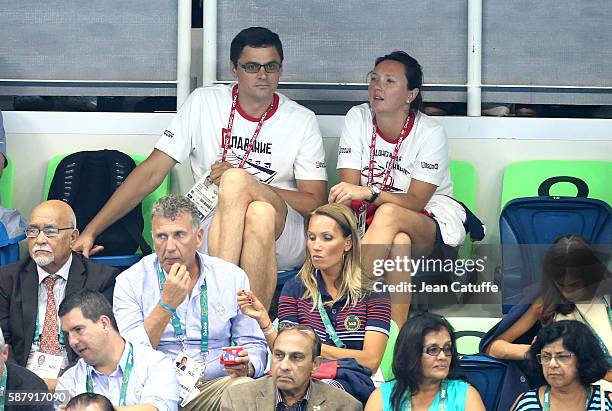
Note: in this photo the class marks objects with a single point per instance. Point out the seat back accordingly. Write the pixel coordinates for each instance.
(386, 364)
(469, 331)
(486, 374)
(463, 176)
(7, 184)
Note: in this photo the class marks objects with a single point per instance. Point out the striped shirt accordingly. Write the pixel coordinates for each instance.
(371, 313)
(298, 406)
(530, 401)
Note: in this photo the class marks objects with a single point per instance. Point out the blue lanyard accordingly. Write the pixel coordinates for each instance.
(124, 381)
(441, 393)
(176, 321)
(331, 331)
(547, 398)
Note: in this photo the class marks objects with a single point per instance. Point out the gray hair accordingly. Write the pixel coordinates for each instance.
(173, 205)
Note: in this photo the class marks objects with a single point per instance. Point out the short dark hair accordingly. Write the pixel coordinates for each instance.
(254, 37)
(409, 350)
(413, 71)
(93, 305)
(85, 399)
(306, 329)
(577, 338)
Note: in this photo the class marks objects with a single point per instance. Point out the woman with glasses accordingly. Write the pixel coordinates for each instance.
(331, 295)
(568, 356)
(575, 285)
(425, 364)
(394, 170)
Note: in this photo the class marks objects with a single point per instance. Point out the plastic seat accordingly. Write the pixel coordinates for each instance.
(486, 374)
(124, 261)
(386, 364)
(469, 331)
(7, 185)
(463, 176)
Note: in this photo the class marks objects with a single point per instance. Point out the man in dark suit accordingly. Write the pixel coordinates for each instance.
(32, 289)
(295, 357)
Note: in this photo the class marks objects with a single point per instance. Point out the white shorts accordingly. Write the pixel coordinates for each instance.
(290, 246)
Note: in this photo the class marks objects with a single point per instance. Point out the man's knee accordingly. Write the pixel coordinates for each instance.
(235, 182)
(402, 239)
(260, 217)
(386, 214)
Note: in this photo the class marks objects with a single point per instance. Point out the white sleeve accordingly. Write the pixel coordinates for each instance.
(161, 387)
(310, 159)
(128, 310)
(176, 139)
(351, 147)
(431, 163)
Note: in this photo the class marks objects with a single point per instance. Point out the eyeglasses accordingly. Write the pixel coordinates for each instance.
(49, 231)
(562, 358)
(434, 350)
(253, 67)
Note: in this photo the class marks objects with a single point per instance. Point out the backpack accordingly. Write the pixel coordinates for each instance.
(529, 225)
(86, 180)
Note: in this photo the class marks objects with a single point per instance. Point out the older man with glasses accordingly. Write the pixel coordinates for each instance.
(257, 156)
(32, 289)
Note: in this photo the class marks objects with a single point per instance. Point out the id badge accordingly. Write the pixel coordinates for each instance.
(45, 365)
(361, 222)
(204, 194)
(188, 372)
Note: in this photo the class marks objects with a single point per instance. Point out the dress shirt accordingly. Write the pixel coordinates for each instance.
(137, 293)
(59, 292)
(298, 406)
(152, 380)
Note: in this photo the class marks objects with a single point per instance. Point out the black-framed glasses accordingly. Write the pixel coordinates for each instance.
(253, 67)
(562, 358)
(434, 350)
(49, 231)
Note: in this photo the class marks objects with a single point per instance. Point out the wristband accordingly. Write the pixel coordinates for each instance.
(268, 330)
(167, 307)
(267, 326)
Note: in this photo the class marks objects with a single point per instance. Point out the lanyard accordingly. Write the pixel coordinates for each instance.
(406, 129)
(547, 398)
(441, 403)
(176, 321)
(599, 340)
(38, 330)
(331, 331)
(124, 381)
(226, 143)
(3, 387)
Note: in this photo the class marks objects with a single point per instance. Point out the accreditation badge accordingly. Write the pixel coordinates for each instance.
(361, 222)
(45, 365)
(352, 323)
(188, 372)
(204, 194)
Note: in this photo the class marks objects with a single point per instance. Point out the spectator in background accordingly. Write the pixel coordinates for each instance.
(425, 364)
(568, 356)
(295, 357)
(89, 402)
(125, 372)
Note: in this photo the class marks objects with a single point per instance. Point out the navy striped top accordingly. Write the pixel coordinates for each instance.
(372, 313)
(530, 401)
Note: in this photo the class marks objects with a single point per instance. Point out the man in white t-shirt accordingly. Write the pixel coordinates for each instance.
(264, 185)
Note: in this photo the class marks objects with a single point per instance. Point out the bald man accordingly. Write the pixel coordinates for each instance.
(32, 289)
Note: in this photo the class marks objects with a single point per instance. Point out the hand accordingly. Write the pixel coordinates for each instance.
(217, 169)
(345, 192)
(176, 287)
(85, 244)
(243, 369)
(251, 306)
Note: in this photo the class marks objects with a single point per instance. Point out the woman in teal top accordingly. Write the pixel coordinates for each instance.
(425, 363)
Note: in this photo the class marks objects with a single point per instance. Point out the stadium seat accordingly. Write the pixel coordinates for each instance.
(386, 364)
(469, 331)
(7, 185)
(463, 176)
(126, 260)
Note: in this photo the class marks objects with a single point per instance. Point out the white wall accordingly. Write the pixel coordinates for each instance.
(488, 143)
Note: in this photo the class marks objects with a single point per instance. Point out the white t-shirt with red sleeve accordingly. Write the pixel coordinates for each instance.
(423, 156)
(289, 146)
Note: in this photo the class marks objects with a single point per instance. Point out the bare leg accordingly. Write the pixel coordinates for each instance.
(400, 302)
(249, 216)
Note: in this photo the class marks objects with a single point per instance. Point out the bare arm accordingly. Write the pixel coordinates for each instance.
(503, 347)
(137, 407)
(310, 195)
(156, 323)
(370, 356)
(375, 402)
(418, 195)
(473, 400)
(141, 182)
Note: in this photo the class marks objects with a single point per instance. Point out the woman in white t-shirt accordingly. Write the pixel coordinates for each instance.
(393, 163)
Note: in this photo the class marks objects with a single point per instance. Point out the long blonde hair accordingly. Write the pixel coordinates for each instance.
(353, 285)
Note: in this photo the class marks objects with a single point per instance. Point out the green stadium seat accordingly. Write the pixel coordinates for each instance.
(386, 364)
(463, 176)
(7, 185)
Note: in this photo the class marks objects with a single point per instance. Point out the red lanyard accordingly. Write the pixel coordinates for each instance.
(226, 141)
(403, 134)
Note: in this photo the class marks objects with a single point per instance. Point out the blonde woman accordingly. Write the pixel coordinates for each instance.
(330, 295)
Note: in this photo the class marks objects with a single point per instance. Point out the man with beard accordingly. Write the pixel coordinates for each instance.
(32, 289)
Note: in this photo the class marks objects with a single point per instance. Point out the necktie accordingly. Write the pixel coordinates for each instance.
(48, 337)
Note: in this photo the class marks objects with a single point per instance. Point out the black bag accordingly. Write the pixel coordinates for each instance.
(86, 180)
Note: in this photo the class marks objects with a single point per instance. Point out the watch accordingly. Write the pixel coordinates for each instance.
(375, 190)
